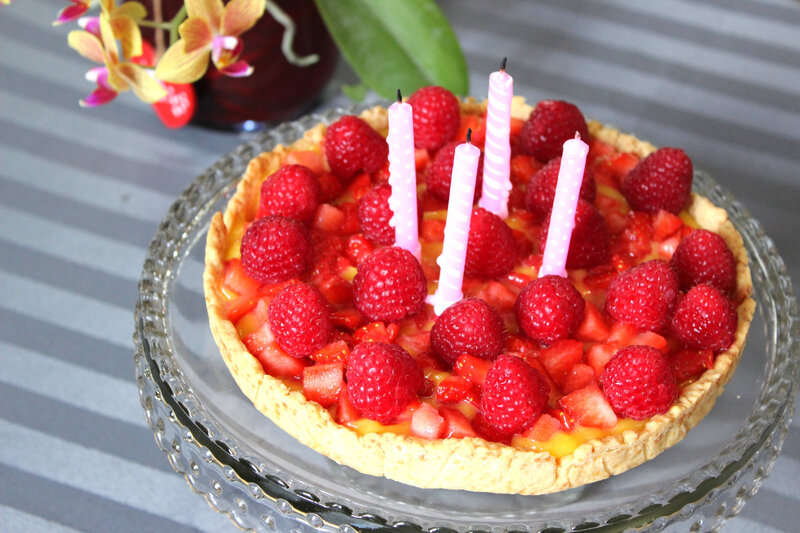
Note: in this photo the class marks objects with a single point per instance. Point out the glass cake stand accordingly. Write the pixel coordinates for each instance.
(264, 480)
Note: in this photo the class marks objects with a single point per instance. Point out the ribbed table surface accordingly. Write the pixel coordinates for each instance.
(82, 193)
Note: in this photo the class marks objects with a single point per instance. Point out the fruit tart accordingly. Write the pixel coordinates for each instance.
(529, 384)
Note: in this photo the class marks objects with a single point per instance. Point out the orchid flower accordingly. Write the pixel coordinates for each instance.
(115, 75)
(210, 30)
(71, 12)
(124, 20)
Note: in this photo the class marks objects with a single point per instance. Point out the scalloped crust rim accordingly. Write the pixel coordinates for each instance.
(470, 464)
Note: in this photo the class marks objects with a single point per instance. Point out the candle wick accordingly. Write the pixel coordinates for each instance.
(503, 65)
(578, 135)
(399, 97)
(469, 135)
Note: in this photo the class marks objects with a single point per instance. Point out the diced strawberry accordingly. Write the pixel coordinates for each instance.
(598, 148)
(360, 185)
(544, 428)
(457, 426)
(666, 248)
(589, 407)
(593, 328)
(478, 126)
(522, 345)
(253, 320)
(237, 307)
(347, 318)
(622, 164)
(328, 218)
(622, 333)
(358, 247)
(275, 361)
(382, 174)
(426, 422)
(636, 237)
(329, 186)
(454, 389)
(432, 229)
(313, 160)
(345, 411)
(322, 383)
(600, 277)
(578, 377)
(499, 296)
(523, 167)
(623, 262)
(649, 338)
(605, 203)
(408, 412)
(472, 368)
(665, 224)
(331, 353)
(566, 420)
(234, 278)
(516, 126)
(334, 288)
(351, 224)
(615, 221)
(688, 364)
(559, 358)
(599, 354)
(518, 279)
(377, 332)
(415, 343)
(421, 158)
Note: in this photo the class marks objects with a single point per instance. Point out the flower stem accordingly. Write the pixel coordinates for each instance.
(286, 21)
(179, 17)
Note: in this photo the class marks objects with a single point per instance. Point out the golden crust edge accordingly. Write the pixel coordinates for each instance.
(471, 463)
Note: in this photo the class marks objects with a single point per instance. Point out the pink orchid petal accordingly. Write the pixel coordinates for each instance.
(99, 97)
(239, 69)
(70, 13)
(99, 75)
(230, 46)
(90, 24)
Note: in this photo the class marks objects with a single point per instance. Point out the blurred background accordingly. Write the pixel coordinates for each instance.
(82, 192)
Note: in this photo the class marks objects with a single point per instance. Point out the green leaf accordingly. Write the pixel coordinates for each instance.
(355, 92)
(397, 44)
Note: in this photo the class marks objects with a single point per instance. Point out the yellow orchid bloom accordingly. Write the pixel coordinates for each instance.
(210, 30)
(124, 21)
(116, 75)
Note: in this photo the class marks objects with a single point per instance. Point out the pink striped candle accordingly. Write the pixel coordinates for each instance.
(497, 150)
(562, 218)
(403, 177)
(456, 230)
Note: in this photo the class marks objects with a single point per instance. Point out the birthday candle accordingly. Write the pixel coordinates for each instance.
(456, 230)
(562, 217)
(497, 150)
(403, 177)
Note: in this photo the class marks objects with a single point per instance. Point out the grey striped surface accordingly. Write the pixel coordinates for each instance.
(82, 193)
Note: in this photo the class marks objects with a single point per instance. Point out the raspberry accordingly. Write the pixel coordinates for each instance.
(470, 326)
(300, 319)
(552, 123)
(638, 382)
(292, 191)
(440, 171)
(588, 246)
(437, 116)
(374, 214)
(491, 247)
(352, 146)
(662, 180)
(275, 249)
(549, 308)
(704, 257)
(644, 295)
(389, 285)
(382, 379)
(705, 319)
(542, 188)
(514, 395)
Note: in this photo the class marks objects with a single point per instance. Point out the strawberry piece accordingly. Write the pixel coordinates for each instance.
(472, 368)
(322, 383)
(622, 333)
(441, 170)
(644, 295)
(638, 382)
(421, 159)
(376, 332)
(636, 236)
(560, 357)
(308, 158)
(667, 247)
(291, 191)
(457, 426)
(470, 326)
(335, 352)
(523, 168)
(551, 124)
(579, 376)
(350, 223)
(329, 187)
(382, 379)
(598, 355)
(275, 362)
(437, 116)
(234, 278)
(550, 308)
(359, 186)
(689, 364)
(374, 215)
(475, 123)
(300, 320)
(347, 318)
(543, 429)
(352, 146)
(541, 190)
(662, 180)
(275, 249)
(432, 230)
(333, 288)
(704, 257)
(514, 395)
(345, 410)
(454, 388)
(588, 246)
(426, 422)
(649, 338)
(390, 285)
(705, 319)
(589, 407)
(498, 296)
(593, 327)
(622, 164)
(357, 248)
(665, 224)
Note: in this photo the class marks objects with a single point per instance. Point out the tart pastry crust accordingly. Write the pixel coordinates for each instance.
(470, 463)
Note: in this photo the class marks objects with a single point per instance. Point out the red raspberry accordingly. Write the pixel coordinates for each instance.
(549, 308)
(704, 257)
(588, 246)
(638, 382)
(382, 379)
(644, 295)
(514, 395)
(470, 326)
(352, 146)
(705, 319)
(275, 249)
(662, 180)
(551, 124)
(440, 171)
(542, 188)
(437, 117)
(300, 319)
(374, 214)
(292, 191)
(389, 285)
(491, 248)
